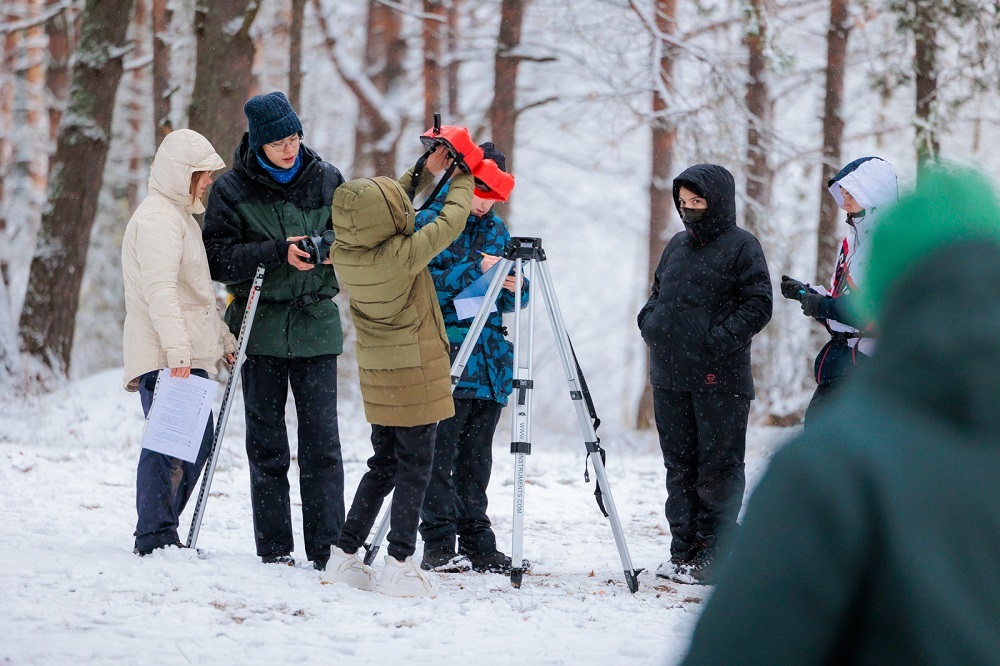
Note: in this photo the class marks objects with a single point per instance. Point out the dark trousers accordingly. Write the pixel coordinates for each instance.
(164, 484)
(402, 461)
(455, 501)
(820, 399)
(321, 467)
(703, 440)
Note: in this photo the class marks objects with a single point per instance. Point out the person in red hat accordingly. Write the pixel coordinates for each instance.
(455, 503)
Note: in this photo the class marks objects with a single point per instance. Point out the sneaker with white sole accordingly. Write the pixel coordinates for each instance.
(348, 568)
(404, 579)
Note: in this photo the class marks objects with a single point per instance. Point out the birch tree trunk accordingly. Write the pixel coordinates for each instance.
(48, 317)
(661, 196)
(827, 238)
(222, 72)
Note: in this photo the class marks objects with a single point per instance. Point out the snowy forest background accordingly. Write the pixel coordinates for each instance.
(598, 104)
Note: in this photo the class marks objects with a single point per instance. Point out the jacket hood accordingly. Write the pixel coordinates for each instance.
(181, 154)
(369, 211)
(870, 180)
(718, 187)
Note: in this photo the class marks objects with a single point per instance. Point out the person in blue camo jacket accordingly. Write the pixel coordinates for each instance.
(455, 502)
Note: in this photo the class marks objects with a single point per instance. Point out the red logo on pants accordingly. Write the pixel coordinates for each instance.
(710, 380)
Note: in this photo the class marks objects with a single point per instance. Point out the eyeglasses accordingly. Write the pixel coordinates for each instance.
(280, 146)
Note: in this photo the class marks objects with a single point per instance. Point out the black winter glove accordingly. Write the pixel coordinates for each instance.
(793, 289)
(812, 305)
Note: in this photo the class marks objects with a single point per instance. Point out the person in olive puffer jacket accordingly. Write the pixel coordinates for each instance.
(874, 537)
(403, 361)
(711, 294)
(278, 192)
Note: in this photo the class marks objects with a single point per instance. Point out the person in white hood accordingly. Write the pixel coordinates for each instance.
(171, 318)
(865, 189)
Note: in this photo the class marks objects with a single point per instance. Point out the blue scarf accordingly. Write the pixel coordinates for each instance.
(283, 176)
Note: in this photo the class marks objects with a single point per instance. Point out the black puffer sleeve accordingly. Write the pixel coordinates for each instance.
(232, 258)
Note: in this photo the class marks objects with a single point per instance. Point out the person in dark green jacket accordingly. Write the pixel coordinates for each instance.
(874, 538)
(279, 192)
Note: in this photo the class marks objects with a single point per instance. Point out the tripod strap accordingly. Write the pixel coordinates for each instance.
(597, 423)
(598, 495)
(418, 170)
(586, 391)
(437, 188)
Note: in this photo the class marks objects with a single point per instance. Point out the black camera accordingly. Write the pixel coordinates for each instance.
(317, 246)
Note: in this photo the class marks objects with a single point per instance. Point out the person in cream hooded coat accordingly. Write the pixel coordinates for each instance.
(171, 318)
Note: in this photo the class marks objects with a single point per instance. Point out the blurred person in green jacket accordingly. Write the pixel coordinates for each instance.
(875, 537)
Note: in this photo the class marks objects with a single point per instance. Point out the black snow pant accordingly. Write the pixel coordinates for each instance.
(821, 399)
(164, 484)
(455, 502)
(402, 461)
(703, 440)
(321, 467)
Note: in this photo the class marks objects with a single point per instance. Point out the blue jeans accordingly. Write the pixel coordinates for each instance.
(163, 484)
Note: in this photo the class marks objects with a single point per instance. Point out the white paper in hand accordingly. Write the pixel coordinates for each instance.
(176, 422)
(469, 300)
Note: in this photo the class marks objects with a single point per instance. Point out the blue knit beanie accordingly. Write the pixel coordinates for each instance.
(270, 118)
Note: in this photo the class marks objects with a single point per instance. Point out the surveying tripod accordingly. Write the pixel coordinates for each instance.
(523, 253)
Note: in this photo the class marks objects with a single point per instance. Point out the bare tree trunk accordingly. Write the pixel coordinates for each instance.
(59, 29)
(452, 59)
(760, 175)
(222, 73)
(295, 53)
(925, 73)
(385, 50)
(8, 331)
(661, 196)
(433, 24)
(48, 316)
(827, 240)
(503, 109)
(137, 106)
(163, 16)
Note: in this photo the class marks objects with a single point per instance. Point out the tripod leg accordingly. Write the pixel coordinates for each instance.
(544, 281)
(371, 549)
(520, 444)
(220, 426)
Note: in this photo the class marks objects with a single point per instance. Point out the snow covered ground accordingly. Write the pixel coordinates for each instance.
(71, 591)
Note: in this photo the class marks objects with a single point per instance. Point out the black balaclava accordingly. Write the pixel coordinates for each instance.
(717, 186)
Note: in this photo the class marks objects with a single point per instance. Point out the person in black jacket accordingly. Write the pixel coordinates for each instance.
(278, 193)
(711, 294)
